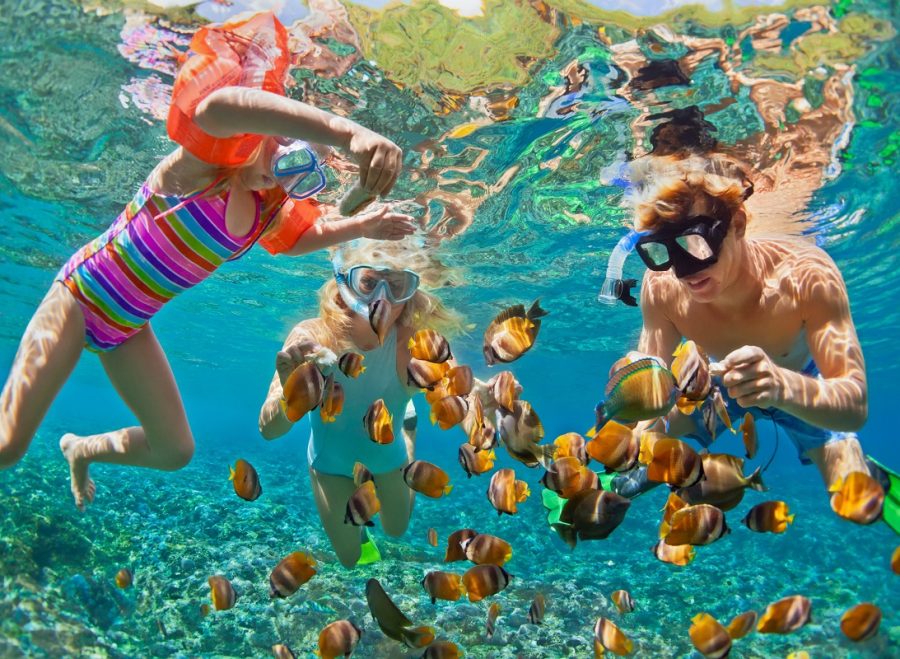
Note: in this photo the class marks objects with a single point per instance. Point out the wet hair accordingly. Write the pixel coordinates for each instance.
(423, 310)
(665, 187)
(683, 130)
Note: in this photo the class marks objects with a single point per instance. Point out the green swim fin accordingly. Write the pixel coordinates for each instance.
(606, 480)
(368, 551)
(554, 505)
(891, 511)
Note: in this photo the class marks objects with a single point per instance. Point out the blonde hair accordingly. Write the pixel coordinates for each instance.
(665, 187)
(422, 310)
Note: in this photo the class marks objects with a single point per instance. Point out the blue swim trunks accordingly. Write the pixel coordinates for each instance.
(802, 434)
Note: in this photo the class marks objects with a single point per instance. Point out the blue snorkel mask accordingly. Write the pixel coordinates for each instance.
(614, 287)
(297, 170)
(362, 285)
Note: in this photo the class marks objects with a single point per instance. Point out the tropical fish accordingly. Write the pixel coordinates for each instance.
(504, 491)
(680, 555)
(512, 333)
(590, 515)
(861, 622)
(443, 586)
(449, 411)
(302, 391)
(536, 612)
(245, 480)
(338, 639)
(610, 637)
(351, 364)
(432, 537)
(623, 601)
(639, 391)
(751, 441)
(363, 505)
(426, 478)
(723, 482)
(124, 578)
(425, 375)
(361, 474)
(785, 616)
(491, 623)
(379, 423)
(487, 549)
(332, 400)
(380, 318)
(282, 651)
(568, 476)
(222, 593)
(504, 391)
(442, 650)
(715, 410)
(671, 461)
(475, 462)
(614, 446)
(858, 498)
(392, 621)
(459, 381)
(485, 580)
(430, 346)
(709, 637)
(690, 366)
(293, 571)
(696, 525)
(673, 504)
(572, 445)
(895, 561)
(520, 432)
(481, 435)
(772, 516)
(455, 551)
(742, 624)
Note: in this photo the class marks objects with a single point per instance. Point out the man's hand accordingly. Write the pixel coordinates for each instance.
(752, 378)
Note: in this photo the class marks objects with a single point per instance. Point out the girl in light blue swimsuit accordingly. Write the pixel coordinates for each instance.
(364, 271)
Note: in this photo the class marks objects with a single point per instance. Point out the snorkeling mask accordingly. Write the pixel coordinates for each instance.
(688, 246)
(297, 170)
(361, 285)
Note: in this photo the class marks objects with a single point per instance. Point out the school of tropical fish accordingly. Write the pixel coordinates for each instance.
(703, 487)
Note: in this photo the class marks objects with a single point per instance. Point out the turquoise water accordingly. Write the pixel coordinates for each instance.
(522, 206)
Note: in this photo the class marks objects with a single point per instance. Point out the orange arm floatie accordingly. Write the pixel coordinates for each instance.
(294, 218)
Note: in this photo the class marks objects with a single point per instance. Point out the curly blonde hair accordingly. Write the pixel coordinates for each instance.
(422, 310)
(665, 187)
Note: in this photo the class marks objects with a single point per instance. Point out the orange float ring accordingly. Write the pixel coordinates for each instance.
(251, 53)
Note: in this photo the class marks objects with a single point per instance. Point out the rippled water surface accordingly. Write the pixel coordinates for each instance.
(516, 119)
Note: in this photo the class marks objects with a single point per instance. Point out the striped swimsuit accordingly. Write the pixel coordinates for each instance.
(125, 275)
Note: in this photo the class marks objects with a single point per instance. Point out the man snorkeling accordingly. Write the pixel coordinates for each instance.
(773, 311)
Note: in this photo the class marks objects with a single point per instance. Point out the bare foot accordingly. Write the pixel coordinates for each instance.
(83, 488)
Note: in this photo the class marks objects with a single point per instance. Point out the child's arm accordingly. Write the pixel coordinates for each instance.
(237, 110)
(380, 224)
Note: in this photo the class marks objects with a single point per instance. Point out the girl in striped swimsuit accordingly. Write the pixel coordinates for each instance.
(188, 218)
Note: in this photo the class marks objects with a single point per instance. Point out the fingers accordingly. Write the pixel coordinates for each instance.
(364, 163)
(376, 165)
(747, 389)
(742, 356)
(397, 168)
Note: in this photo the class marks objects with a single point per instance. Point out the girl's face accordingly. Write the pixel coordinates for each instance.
(257, 174)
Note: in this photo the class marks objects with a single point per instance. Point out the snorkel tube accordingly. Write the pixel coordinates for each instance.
(353, 302)
(614, 287)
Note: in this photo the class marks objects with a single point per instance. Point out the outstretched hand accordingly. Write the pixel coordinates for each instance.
(385, 224)
(380, 160)
(752, 378)
(300, 352)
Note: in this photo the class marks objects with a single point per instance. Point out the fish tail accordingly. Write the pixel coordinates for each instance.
(433, 417)
(447, 489)
(645, 456)
(536, 311)
(755, 480)
(568, 534)
(664, 529)
(837, 485)
(230, 473)
(789, 519)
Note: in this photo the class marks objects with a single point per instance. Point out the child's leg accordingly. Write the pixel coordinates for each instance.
(47, 353)
(331, 494)
(396, 501)
(838, 458)
(140, 372)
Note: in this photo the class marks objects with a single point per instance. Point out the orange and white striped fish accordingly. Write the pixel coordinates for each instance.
(861, 622)
(430, 346)
(302, 391)
(611, 638)
(379, 423)
(785, 616)
(222, 592)
(709, 636)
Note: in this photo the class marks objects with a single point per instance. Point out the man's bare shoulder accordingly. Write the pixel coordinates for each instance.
(813, 274)
(661, 290)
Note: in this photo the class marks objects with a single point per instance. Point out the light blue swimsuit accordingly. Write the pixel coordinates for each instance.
(335, 447)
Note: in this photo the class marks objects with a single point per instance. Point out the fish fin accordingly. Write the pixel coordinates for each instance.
(568, 534)
(755, 480)
(515, 311)
(837, 485)
(536, 311)
(789, 519)
(411, 343)
(645, 456)
(590, 432)
(231, 473)
(664, 529)
(685, 406)
(447, 489)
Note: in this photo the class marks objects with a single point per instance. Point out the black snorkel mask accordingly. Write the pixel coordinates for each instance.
(688, 246)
